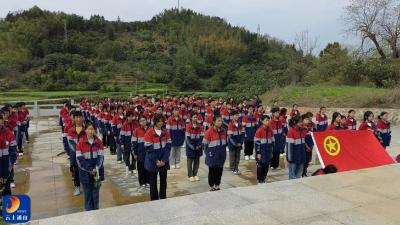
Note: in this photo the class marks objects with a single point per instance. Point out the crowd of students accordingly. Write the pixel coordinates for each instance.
(14, 124)
(148, 135)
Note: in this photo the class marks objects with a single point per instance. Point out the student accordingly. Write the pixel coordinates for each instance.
(8, 156)
(226, 115)
(250, 123)
(277, 128)
(295, 112)
(116, 126)
(214, 144)
(75, 134)
(335, 123)
(368, 124)
(176, 127)
(351, 121)
(194, 140)
(127, 130)
(90, 158)
(383, 128)
(327, 170)
(296, 148)
(283, 120)
(158, 148)
(110, 133)
(10, 124)
(235, 136)
(309, 127)
(264, 142)
(343, 122)
(321, 120)
(140, 152)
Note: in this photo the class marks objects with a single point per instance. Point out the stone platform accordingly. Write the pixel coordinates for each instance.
(370, 196)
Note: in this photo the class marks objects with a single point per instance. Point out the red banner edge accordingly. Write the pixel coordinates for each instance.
(319, 155)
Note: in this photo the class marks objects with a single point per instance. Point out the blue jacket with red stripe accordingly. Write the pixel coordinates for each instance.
(296, 145)
(236, 135)
(264, 141)
(214, 145)
(176, 130)
(8, 152)
(157, 148)
(321, 122)
(90, 155)
(250, 123)
(277, 128)
(383, 128)
(194, 140)
(138, 143)
(126, 133)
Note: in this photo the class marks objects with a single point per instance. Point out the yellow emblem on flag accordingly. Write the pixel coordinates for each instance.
(332, 145)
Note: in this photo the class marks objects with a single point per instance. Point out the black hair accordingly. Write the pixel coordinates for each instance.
(293, 121)
(88, 124)
(366, 115)
(263, 117)
(350, 111)
(334, 116)
(322, 107)
(330, 169)
(283, 111)
(78, 113)
(275, 109)
(158, 118)
(129, 113)
(309, 114)
(304, 116)
(295, 105)
(141, 116)
(382, 114)
(216, 117)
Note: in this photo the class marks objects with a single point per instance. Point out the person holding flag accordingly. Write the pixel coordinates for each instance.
(383, 128)
(296, 148)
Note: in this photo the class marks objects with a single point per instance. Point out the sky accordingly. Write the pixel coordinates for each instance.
(282, 19)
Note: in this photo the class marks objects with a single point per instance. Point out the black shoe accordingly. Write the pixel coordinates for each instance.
(213, 189)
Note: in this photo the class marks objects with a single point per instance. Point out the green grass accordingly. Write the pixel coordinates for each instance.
(339, 96)
(124, 92)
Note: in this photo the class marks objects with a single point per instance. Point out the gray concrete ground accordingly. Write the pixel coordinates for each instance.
(43, 174)
(363, 197)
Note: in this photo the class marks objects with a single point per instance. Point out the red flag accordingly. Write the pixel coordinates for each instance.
(350, 150)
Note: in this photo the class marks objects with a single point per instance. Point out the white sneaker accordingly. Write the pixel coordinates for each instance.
(177, 166)
(252, 157)
(20, 154)
(77, 191)
(196, 178)
(173, 167)
(134, 171)
(126, 171)
(12, 185)
(246, 157)
(119, 161)
(191, 179)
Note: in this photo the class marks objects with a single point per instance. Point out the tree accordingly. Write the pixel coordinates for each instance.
(377, 22)
(306, 44)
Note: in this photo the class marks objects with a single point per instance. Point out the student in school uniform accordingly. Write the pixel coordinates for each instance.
(116, 125)
(296, 148)
(295, 112)
(126, 133)
(250, 123)
(383, 128)
(90, 158)
(278, 129)
(369, 124)
(351, 122)
(75, 134)
(140, 151)
(194, 140)
(343, 122)
(157, 142)
(176, 127)
(8, 157)
(264, 143)
(309, 127)
(321, 120)
(214, 145)
(335, 123)
(236, 135)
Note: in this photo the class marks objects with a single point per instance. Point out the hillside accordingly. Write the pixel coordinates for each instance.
(338, 96)
(183, 49)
